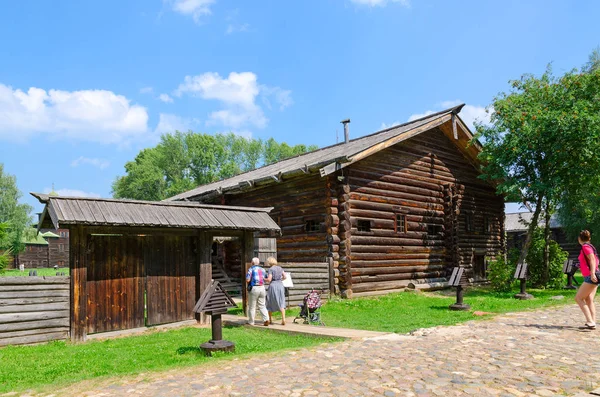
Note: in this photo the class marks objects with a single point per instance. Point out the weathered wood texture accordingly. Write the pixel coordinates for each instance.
(171, 269)
(306, 276)
(411, 179)
(33, 309)
(295, 202)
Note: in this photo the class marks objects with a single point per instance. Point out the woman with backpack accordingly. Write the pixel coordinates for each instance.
(588, 260)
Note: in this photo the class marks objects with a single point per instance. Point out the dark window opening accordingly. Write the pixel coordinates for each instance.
(312, 226)
(364, 226)
(434, 230)
(400, 223)
(468, 222)
(487, 225)
(479, 267)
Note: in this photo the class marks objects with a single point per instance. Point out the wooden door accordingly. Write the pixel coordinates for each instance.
(171, 278)
(115, 283)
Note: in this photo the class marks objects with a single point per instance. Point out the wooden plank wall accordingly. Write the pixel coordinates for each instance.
(172, 269)
(115, 283)
(33, 309)
(409, 179)
(305, 277)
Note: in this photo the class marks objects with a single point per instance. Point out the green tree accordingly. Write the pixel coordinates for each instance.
(543, 142)
(182, 161)
(4, 253)
(15, 215)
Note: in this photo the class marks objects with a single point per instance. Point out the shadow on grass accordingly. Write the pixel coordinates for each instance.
(188, 349)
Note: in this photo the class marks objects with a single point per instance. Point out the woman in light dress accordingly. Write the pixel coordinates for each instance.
(276, 292)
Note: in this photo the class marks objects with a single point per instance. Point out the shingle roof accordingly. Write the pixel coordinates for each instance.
(327, 159)
(519, 222)
(60, 211)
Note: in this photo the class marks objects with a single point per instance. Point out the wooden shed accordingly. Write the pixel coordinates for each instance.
(138, 263)
(402, 205)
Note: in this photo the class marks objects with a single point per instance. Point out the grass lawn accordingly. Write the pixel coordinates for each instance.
(406, 311)
(43, 271)
(57, 364)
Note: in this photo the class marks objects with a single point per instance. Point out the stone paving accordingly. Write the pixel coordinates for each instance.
(540, 353)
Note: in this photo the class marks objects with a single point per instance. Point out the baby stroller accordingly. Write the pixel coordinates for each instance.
(310, 308)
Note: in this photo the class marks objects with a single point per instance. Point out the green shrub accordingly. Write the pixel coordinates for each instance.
(501, 272)
(535, 260)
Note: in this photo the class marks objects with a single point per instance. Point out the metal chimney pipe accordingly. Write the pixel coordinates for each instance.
(346, 130)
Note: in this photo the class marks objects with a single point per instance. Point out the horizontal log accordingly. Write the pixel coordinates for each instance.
(33, 316)
(34, 294)
(34, 280)
(358, 205)
(380, 286)
(25, 340)
(410, 249)
(34, 308)
(398, 262)
(396, 269)
(379, 240)
(59, 322)
(32, 301)
(395, 187)
(34, 287)
(13, 334)
(356, 256)
(400, 276)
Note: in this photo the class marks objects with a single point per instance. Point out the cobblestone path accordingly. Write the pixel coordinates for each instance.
(540, 353)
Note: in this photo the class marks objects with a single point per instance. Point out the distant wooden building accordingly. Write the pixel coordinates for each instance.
(48, 248)
(402, 205)
(35, 253)
(517, 224)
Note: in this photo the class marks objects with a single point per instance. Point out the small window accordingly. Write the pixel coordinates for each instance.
(364, 226)
(400, 223)
(469, 222)
(61, 248)
(434, 230)
(487, 225)
(312, 226)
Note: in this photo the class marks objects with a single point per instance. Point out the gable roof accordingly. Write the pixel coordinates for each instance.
(332, 158)
(34, 238)
(61, 211)
(50, 235)
(519, 222)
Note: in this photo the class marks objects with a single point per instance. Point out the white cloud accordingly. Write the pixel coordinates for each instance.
(237, 28)
(281, 96)
(91, 115)
(100, 163)
(390, 125)
(381, 3)
(72, 193)
(238, 93)
(169, 123)
(193, 8)
(469, 113)
(165, 98)
(146, 90)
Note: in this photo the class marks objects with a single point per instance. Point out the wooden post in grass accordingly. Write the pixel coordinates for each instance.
(456, 281)
(521, 275)
(215, 302)
(569, 270)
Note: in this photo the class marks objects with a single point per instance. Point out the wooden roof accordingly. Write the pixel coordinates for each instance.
(60, 211)
(519, 222)
(332, 158)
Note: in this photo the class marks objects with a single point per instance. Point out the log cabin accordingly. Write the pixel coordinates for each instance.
(403, 205)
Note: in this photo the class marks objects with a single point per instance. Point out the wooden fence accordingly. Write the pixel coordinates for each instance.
(305, 277)
(33, 309)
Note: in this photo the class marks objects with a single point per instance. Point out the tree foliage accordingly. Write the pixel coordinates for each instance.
(16, 215)
(543, 143)
(535, 260)
(183, 161)
(5, 253)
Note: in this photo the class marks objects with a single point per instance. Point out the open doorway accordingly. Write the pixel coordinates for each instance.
(227, 268)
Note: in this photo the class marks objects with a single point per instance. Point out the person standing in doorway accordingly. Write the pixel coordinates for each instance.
(588, 262)
(255, 278)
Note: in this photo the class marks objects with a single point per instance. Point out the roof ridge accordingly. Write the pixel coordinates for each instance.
(44, 198)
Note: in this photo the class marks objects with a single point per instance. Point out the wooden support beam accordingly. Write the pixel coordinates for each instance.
(78, 294)
(247, 255)
(204, 248)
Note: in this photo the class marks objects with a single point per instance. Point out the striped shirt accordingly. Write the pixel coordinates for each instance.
(257, 276)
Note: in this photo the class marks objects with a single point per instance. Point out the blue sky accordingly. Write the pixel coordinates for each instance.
(84, 85)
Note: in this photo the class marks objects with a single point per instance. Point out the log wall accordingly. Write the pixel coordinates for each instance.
(413, 179)
(305, 277)
(33, 309)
